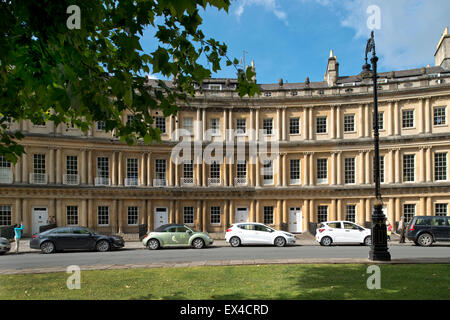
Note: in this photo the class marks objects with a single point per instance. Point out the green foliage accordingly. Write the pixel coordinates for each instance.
(96, 73)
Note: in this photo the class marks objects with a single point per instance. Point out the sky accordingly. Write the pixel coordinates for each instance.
(292, 39)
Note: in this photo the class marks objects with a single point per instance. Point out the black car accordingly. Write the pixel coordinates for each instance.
(74, 238)
(425, 230)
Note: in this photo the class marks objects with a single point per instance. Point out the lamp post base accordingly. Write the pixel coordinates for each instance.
(379, 249)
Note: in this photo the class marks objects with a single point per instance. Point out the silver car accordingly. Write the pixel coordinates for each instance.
(4, 245)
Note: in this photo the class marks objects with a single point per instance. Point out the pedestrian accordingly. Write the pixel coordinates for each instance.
(51, 220)
(17, 235)
(402, 229)
(389, 230)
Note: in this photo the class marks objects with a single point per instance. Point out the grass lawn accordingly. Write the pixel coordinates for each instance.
(237, 282)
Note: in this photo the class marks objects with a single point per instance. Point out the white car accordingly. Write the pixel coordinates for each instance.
(257, 233)
(331, 232)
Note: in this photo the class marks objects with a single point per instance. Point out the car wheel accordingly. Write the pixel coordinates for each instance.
(153, 244)
(425, 240)
(280, 242)
(102, 246)
(47, 247)
(368, 241)
(198, 243)
(235, 242)
(326, 241)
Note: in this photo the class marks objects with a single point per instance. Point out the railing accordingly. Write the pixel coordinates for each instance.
(159, 182)
(295, 181)
(38, 178)
(71, 179)
(213, 181)
(240, 181)
(131, 182)
(187, 182)
(6, 175)
(100, 181)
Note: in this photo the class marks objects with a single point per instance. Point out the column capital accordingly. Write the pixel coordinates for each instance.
(336, 152)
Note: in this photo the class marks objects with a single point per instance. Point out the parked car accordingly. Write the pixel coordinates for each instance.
(176, 235)
(5, 246)
(74, 238)
(425, 230)
(331, 232)
(257, 233)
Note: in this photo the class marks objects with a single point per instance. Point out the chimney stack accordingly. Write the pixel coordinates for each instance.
(332, 74)
(442, 55)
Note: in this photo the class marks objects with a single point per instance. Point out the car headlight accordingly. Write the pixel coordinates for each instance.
(289, 235)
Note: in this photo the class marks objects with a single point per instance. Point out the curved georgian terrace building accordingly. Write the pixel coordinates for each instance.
(323, 168)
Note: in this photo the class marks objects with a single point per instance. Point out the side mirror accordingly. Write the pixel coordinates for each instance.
(188, 231)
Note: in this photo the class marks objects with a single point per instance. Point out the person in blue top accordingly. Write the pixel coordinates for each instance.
(17, 235)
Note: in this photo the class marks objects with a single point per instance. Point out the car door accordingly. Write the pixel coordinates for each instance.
(82, 239)
(62, 238)
(335, 231)
(181, 236)
(248, 234)
(352, 233)
(168, 236)
(439, 228)
(263, 235)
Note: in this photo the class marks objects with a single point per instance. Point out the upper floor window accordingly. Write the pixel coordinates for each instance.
(215, 87)
(241, 126)
(268, 126)
(294, 126)
(39, 163)
(188, 169)
(408, 119)
(215, 170)
(132, 168)
(72, 164)
(349, 170)
(4, 164)
(215, 125)
(321, 125)
(322, 170)
(129, 119)
(440, 166)
(380, 121)
(100, 125)
(160, 170)
(408, 167)
(188, 124)
(268, 172)
(295, 171)
(349, 123)
(439, 116)
(103, 167)
(160, 123)
(241, 169)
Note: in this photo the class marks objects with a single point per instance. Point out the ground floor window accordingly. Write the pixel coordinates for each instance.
(409, 211)
(103, 215)
(350, 213)
(188, 215)
(133, 215)
(215, 215)
(5, 215)
(322, 214)
(441, 209)
(268, 215)
(72, 215)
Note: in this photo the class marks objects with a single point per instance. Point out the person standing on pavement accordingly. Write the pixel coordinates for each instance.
(17, 235)
(401, 229)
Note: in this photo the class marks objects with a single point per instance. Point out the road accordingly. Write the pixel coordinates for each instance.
(143, 256)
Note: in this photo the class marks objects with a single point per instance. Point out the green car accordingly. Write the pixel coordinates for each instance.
(176, 235)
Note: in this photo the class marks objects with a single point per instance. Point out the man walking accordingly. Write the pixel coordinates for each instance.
(17, 235)
(401, 229)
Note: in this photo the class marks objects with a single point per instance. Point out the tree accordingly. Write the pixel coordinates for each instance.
(80, 61)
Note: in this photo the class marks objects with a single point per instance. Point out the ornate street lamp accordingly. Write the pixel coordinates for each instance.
(378, 249)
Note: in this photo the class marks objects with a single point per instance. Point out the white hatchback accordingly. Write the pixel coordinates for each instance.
(331, 232)
(257, 233)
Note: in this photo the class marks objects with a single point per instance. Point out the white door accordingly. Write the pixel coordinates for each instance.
(295, 220)
(161, 217)
(40, 216)
(241, 215)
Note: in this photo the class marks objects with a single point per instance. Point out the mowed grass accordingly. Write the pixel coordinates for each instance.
(237, 282)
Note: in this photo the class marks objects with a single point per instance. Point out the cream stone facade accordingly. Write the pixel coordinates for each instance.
(323, 169)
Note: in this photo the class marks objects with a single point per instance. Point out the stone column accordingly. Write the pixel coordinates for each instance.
(305, 168)
(84, 213)
(333, 211)
(283, 124)
(24, 168)
(90, 175)
(390, 167)
(333, 168)
(26, 214)
(170, 131)
(429, 164)
(198, 126)
(421, 117)
(178, 218)
(305, 124)
(59, 166)
(17, 212)
(397, 165)
(205, 221)
(339, 210)
(339, 167)
(258, 172)
(427, 116)
(390, 119)
(368, 127)
(284, 170)
(113, 169)
(150, 216)
(422, 164)
(310, 120)
(338, 123)
(396, 118)
(114, 216)
(279, 171)
(177, 174)
(120, 175)
(120, 215)
(311, 169)
(361, 118)
(251, 136)
(333, 123)
(231, 209)
(422, 205)
(312, 211)
(18, 171)
(91, 214)
(202, 135)
(83, 167)
(429, 210)
(59, 213)
(257, 125)
(368, 210)
(279, 216)
(306, 215)
(225, 125)
(285, 213)
(278, 129)
(143, 212)
(391, 210)
(257, 215)
(230, 125)
(149, 169)
(172, 211)
(204, 180)
(361, 215)
(51, 168)
(361, 175)
(368, 166)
